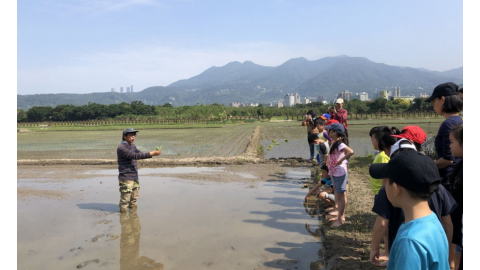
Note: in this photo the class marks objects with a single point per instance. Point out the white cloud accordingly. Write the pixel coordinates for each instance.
(145, 66)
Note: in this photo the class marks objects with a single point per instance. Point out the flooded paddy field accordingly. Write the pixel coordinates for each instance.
(274, 140)
(102, 144)
(231, 217)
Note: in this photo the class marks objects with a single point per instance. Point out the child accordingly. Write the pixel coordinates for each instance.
(376, 134)
(456, 139)
(325, 194)
(421, 242)
(415, 134)
(308, 120)
(339, 153)
(382, 141)
(321, 140)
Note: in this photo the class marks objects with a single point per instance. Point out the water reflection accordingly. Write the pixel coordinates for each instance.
(130, 243)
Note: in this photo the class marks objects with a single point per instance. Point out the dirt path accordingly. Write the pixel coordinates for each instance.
(253, 144)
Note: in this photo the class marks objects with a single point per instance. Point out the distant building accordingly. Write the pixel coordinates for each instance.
(384, 94)
(423, 95)
(345, 95)
(128, 89)
(324, 102)
(396, 92)
(279, 104)
(237, 104)
(289, 100)
(363, 96)
(121, 89)
(320, 98)
(113, 90)
(306, 101)
(131, 89)
(297, 99)
(409, 98)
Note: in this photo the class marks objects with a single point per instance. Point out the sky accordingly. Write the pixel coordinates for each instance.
(85, 46)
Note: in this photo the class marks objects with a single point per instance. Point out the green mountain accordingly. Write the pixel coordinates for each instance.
(251, 83)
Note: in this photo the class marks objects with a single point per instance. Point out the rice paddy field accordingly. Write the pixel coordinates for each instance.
(279, 139)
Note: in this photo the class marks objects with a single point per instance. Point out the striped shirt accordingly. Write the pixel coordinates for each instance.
(127, 156)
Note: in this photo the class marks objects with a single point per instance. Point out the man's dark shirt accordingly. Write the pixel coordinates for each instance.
(127, 156)
(442, 146)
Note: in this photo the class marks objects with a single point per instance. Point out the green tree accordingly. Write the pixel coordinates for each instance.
(21, 116)
(39, 113)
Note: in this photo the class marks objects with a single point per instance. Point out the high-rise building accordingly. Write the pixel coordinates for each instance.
(297, 99)
(396, 92)
(320, 98)
(131, 89)
(121, 89)
(345, 95)
(289, 100)
(128, 89)
(113, 90)
(306, 101)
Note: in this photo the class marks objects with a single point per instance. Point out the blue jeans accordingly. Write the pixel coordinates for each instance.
(312, 150)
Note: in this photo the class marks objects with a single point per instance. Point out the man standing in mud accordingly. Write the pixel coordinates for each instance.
(127, 155)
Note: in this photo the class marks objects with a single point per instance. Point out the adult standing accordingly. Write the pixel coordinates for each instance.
(339, 113)
(447, 103)
(127, 155)
(309, 121)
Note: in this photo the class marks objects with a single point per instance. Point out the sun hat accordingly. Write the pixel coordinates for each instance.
(398, 146)
(413, 133)
(339, 100)
(444, 89)
(337, 127)
(409, 169)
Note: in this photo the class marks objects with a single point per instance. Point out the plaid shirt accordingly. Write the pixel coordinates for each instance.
(127, 156)
(341, 117)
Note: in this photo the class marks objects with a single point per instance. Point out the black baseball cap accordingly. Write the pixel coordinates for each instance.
(444, 89)
(128, 130)
(337, 127)
(409, 169)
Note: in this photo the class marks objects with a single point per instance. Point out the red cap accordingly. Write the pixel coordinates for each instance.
(331, 122)
(413, 133)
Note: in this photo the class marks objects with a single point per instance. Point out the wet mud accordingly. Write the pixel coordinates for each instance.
(223, 217)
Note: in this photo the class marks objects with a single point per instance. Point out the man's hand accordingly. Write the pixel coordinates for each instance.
(156, 153)
(375, 255)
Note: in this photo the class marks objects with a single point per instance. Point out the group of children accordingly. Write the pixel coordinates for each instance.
(419, 220)
(331, 140)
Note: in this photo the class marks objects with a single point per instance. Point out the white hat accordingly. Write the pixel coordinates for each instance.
(339, 100)
(397, 146)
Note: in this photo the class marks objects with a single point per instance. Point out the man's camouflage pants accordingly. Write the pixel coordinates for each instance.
(129, 191)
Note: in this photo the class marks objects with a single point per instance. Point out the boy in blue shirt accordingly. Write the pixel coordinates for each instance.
(421, 242)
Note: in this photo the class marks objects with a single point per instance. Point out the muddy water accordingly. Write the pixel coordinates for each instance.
(300, 149)
(179, 224)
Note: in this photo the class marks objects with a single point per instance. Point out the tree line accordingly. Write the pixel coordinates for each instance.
(138, 111)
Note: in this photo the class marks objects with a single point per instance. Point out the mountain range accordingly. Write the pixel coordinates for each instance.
(252, 83)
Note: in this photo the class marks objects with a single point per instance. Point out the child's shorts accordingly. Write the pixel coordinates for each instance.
(458, 249)
(340, 183)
